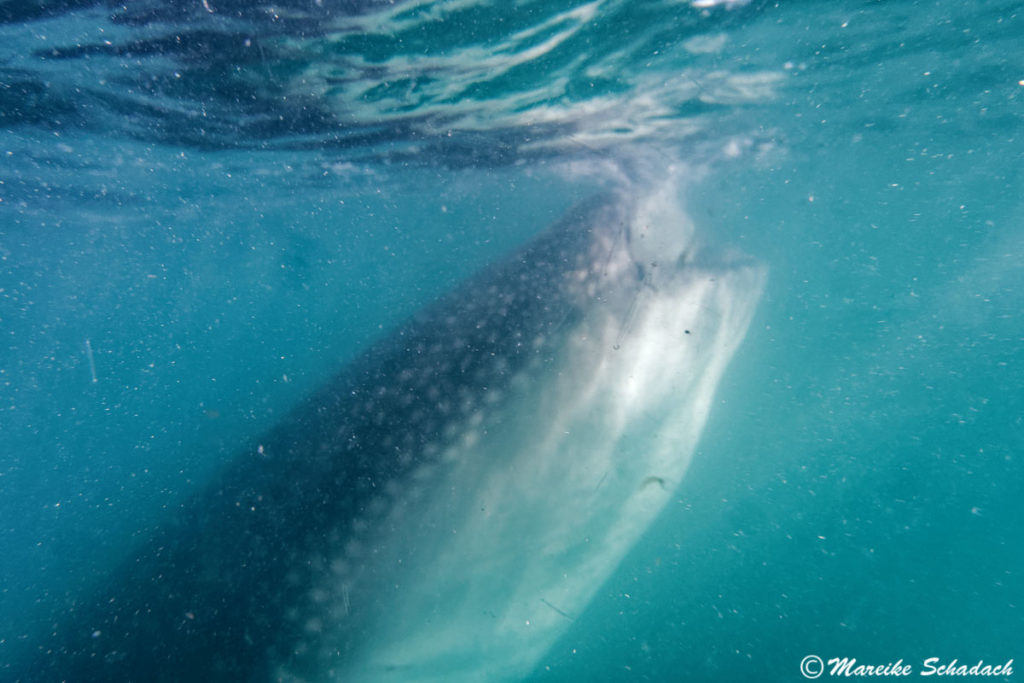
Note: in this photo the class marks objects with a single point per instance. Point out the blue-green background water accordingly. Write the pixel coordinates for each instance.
(225, 206)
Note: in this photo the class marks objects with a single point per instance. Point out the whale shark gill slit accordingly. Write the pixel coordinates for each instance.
(419, 517)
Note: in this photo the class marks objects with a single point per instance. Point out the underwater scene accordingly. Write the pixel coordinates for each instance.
(466, 340)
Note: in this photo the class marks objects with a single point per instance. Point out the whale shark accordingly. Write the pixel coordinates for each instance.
(446, 506)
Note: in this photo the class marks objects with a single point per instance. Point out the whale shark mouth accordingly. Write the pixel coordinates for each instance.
(445, 507)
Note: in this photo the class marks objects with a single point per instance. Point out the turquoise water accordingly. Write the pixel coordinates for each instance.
(207, 210)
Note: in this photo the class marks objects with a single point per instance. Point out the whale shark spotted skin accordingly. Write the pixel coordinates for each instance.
(446, 506)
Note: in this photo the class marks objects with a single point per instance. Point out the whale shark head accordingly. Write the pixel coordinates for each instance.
(572, 439)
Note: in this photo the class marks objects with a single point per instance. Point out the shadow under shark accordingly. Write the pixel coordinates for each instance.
(443, 508)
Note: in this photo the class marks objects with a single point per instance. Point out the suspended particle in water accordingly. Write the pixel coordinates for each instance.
(92, 361)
